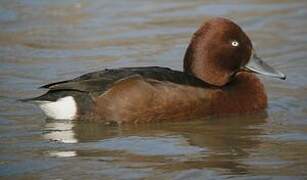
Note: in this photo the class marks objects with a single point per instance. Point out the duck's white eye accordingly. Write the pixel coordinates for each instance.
(235, 43)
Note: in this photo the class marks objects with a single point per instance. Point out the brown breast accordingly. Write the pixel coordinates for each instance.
(142, 100)
(245, 94)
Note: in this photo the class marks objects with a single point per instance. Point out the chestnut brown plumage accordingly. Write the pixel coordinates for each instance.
(217, 80)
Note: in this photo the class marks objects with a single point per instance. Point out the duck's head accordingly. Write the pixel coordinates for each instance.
(219, 50)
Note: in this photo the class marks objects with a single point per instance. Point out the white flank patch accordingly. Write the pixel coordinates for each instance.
(63, 108)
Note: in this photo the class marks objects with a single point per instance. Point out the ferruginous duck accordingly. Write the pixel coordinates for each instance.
(218, 79)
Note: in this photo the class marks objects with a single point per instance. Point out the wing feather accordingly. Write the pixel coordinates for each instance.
(98, 82)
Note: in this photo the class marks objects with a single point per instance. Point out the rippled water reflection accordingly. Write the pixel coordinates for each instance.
(46, 41)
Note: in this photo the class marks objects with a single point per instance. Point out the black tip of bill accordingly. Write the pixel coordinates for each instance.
(258, 66)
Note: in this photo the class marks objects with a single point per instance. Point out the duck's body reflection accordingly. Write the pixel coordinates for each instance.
(218, 143)
(61, 131)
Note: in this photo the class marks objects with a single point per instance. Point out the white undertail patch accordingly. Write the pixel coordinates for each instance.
(63, 108)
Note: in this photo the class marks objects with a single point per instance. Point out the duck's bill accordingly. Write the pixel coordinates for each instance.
(258, 66)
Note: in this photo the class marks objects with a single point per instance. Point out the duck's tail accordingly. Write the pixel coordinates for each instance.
(62, 104)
